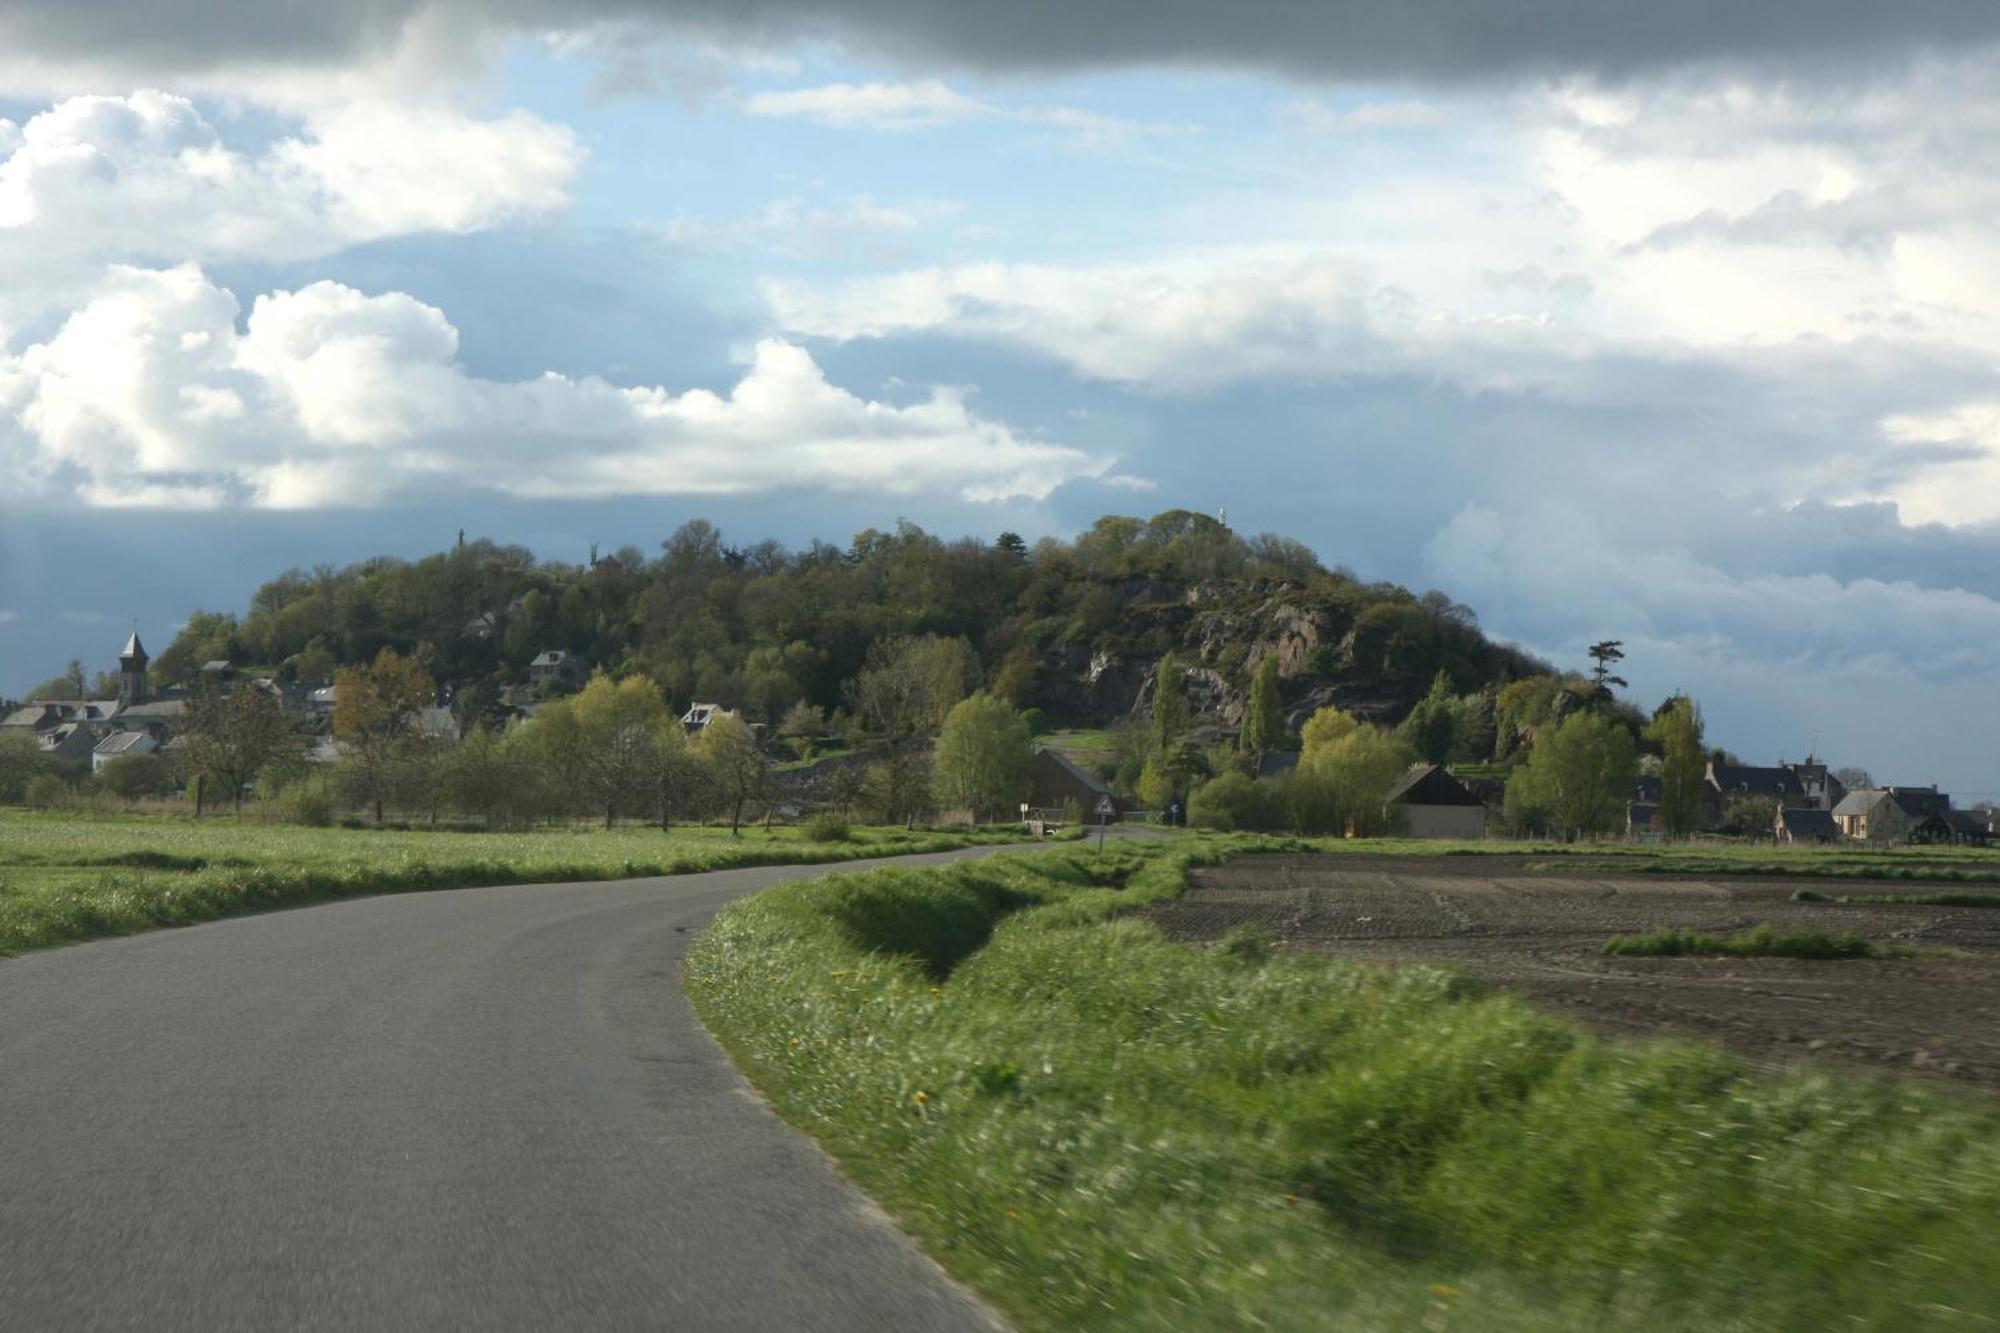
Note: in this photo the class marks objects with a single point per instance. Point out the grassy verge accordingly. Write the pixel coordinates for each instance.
(1912, 899)
(66, 877)
(1097, 1128)
(1764, 941)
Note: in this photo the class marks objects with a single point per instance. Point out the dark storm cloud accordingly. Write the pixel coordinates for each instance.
(1426, 40)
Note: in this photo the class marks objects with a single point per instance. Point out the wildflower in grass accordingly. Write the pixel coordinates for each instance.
(922, 1097)
(1443, 1290)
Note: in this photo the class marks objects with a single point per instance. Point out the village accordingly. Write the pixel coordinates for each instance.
(1803, 802)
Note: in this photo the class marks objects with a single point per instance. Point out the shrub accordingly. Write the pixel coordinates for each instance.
(45, 791)
(306, 802)
(1233, 802)
(828, 827)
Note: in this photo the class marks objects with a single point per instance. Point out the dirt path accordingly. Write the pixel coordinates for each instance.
(1542, 931)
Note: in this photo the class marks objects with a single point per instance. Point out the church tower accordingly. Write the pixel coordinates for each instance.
(132, 672)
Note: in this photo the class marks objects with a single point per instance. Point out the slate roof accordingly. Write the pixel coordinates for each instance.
(1732, 779)
(1809, 825)
(1920, 801)
(133, 648)
(118, 742)
(1080, 774)
(1431, 784)
(1858, 802)
(1274, 763)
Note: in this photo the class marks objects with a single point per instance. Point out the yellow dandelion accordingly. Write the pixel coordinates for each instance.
(922, 1097)
(1443, 1290)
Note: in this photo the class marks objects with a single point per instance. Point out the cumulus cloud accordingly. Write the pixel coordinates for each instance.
(148, 177)
(149, 395)
(1437, 40)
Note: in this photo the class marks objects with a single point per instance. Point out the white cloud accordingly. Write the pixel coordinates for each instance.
(149, 395)
(877, 106)
(147, 177)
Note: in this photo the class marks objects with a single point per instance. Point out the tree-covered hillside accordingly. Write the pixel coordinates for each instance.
(1074, 628)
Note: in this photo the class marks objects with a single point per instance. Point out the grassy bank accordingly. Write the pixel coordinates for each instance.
(1100, 1129)
(67, 877)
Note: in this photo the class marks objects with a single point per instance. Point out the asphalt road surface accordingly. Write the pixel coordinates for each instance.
(484, 1108)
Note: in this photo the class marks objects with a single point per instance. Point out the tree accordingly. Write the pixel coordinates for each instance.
(131, 776)
(1264, 724)
(982, 756)
(1603, 655)
(1356, 771)
(1158, 785)
(21, 761)
(230, 737)
(1170, 707)
(1749, 816)
(69, 685)
(619, 730)
(1683, 765)
(1323, 729)
(1430, 725)
(1854, 779)
(486, 774)
(730, 751)
(374, 715)
(1579, 778)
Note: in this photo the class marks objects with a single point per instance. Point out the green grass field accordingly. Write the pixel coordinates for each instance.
(68, 877)
(1097, 1128)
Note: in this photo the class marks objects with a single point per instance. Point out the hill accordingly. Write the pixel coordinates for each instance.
(1072, 628)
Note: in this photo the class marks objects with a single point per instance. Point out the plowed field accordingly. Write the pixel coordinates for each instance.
(1535, 927)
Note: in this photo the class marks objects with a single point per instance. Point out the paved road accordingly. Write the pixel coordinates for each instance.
(488, 1108)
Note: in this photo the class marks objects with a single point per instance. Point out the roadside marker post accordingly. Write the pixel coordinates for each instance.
(1105, 809)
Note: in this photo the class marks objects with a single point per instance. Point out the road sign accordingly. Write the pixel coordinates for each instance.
(1105, 807)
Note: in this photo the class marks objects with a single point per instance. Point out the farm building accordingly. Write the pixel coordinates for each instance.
(1053, 779)
(1437, 804)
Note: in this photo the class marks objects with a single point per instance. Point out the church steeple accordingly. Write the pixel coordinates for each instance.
(132, 672)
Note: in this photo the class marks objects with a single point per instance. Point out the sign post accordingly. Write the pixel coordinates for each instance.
(1105, 809)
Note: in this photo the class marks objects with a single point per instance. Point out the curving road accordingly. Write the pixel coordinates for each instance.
(485, 1108)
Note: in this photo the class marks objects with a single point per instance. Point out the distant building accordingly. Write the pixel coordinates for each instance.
(120, 744)
(1438, 805)
(698, 716)
(1806, 826)
(1054, 779)
(1895, 814)
(555, 666)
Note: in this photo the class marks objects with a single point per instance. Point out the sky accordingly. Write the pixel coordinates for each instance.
(1676, 324)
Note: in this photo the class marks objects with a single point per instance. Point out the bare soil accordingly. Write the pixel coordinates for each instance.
(1531, 927)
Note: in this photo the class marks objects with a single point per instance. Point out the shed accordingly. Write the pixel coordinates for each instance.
(1437, 804)
(1054, 778)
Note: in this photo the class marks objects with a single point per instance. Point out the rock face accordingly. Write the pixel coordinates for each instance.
(1222, 633)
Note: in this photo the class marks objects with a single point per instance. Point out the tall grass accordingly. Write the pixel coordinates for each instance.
(1098, 1128)
(1759, 941)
